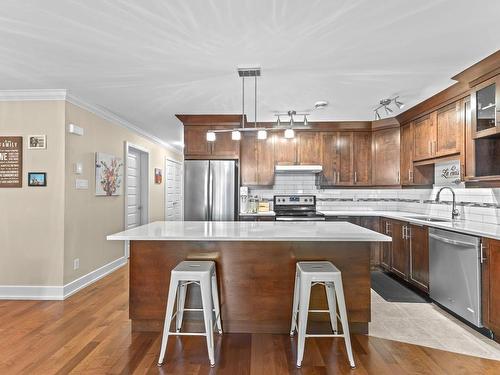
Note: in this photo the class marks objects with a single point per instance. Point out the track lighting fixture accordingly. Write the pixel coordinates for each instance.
(385, 103)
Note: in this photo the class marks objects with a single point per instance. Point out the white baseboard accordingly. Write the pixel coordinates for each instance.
(57, 293)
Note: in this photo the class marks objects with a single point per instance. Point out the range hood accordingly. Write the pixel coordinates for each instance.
(298, 169)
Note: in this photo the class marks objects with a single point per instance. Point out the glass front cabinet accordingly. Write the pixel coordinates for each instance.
(485, 109)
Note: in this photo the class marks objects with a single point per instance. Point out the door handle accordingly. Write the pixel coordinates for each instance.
(430, 147)
(403, 231)
(355, 177)
(338, 177)
(483, 258)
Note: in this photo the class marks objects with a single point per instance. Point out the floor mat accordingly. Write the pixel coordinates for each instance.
(392, 291)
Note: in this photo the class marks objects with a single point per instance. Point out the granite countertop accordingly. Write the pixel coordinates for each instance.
(460, 226)
(250, 231)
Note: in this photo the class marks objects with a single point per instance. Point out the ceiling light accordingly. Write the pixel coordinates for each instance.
(321, 104)
(290, 113)
(262, 134)
(210, 136)
(278, 123)
(399, 104)
(305, 120)
(235, 135)
(377, 115)
(388, 110)
(289, 133)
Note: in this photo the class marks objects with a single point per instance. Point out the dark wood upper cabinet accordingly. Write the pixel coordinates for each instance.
(407, 154)
(423, 130)
(418, 240)
(195, 141)
(285, 150)
(385, 157)
(362, 158)
(491, 285)
(265, 161)
(449, 130)
(225, 147)
(248, 159)
(329, 157)
(485, 108)
(197, 147)
(308, 151)
(344, 158)
(256, 160)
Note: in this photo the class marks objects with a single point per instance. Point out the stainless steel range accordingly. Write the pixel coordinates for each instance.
(296, 208)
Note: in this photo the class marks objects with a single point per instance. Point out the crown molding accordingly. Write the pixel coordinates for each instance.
(63, 94)
(114, 118)
(36, 94)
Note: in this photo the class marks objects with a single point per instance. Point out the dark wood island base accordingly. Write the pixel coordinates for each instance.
(255, 279)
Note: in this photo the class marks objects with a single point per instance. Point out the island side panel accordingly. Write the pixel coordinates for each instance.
(255, 281)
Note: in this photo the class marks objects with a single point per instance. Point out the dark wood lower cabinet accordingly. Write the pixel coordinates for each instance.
(408, 254)
(385, 247)
(491, 286)
(419, 256)
(399, 254)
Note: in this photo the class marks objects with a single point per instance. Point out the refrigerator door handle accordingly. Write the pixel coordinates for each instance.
(210, 193)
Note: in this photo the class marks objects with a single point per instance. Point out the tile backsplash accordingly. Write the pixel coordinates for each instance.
(477, 204)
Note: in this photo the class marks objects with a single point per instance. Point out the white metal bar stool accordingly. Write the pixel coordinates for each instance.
(307, 275)
(203, 274)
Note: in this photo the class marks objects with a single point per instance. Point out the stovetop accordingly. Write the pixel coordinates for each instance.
(296, 206)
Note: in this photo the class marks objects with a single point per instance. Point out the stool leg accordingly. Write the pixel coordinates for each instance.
(332, 306)
(305, 294)
(205, 286)
(295, 304)
(215, 296)
(168, 317)
(181, 301)
(343, 319)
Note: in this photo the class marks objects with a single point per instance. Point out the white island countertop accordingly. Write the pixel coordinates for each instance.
(249, 231)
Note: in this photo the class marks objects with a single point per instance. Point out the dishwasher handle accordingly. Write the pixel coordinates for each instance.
(452, 242)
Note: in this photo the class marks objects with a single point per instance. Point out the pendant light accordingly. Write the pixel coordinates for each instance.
(210, 136)
(289, 133)
(278, 123)
(305, 120)
(235, 135)
(262, 134)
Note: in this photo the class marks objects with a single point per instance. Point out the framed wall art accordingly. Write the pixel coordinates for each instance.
(158, 176)
(37, 142)
(108, 175)
(37, 179)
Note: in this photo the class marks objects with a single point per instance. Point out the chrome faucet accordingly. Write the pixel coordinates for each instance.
(454, 211)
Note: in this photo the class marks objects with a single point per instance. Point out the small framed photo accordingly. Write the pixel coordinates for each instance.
(37, 142)
(37, 179)
(158, 176)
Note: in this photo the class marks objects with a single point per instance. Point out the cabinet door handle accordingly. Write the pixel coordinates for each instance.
(399, 180)
(403, 231)
(435, 148)
(483, 258)
(355, 177)
(338, 177)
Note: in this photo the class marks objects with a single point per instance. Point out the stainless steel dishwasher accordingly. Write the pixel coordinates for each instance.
(455, 273)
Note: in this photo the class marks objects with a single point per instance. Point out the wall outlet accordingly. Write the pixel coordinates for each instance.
(76, 263)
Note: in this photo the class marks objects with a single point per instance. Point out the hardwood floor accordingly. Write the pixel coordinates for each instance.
(90, 333)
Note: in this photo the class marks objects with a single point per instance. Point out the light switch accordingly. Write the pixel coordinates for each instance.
(73, 129)
(81, 184)
(78, 168)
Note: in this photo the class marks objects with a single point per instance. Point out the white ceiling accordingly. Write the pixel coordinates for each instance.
(148, 60)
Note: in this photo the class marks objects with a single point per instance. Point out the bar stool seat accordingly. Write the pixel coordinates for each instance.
(307, 275)
(185, 273)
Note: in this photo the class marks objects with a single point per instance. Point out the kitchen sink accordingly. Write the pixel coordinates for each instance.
(428, 218)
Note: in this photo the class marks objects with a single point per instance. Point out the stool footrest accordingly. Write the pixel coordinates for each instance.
(325, 335)
(187, 334)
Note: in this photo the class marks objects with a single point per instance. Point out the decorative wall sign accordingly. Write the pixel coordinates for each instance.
(37, 142)
(108, 174)
(447, 173)
(37, 179)
(11, 162)
(158, 176)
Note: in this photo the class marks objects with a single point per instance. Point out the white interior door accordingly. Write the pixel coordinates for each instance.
(134, 217)
(173, 189)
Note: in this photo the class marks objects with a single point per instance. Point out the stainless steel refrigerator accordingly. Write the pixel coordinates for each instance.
(210, 190)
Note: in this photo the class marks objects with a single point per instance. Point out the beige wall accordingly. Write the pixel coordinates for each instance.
(89, 218)
(32, 218)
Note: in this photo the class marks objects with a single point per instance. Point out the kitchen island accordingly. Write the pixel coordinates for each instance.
(255, 268)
